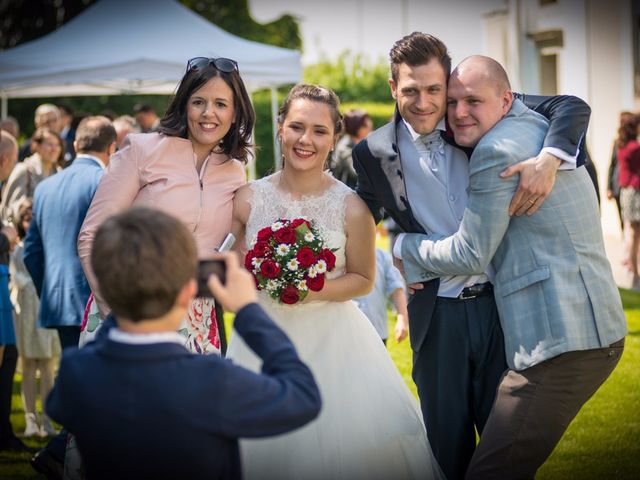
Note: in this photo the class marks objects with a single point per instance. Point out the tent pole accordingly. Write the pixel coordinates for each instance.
(4, 109)
(274, 121)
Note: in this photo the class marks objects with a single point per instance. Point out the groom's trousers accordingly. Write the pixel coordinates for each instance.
(457, 371)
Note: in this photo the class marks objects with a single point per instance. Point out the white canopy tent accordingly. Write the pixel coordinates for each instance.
(135, 47)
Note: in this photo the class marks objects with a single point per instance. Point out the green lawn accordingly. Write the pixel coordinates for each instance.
(602, 442)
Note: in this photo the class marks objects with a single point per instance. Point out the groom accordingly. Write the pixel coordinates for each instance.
(559, 306)
(409, 169)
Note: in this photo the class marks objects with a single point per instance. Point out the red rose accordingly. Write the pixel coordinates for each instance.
(328, 256)
(248, 260)
(265, 234)
(289, 295)
(306, 257)
(285, 235)
(261, 248)
(296, 222)
(315, 284)
(269, 269)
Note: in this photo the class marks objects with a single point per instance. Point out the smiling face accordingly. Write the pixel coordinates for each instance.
(308, 135)
(49, 148)
(210, 114)
(475, 102)
(420, 92)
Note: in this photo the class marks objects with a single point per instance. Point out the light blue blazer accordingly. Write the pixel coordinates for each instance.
(554, 286)
(50, 253)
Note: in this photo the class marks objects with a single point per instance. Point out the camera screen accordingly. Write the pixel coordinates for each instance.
(205, 269)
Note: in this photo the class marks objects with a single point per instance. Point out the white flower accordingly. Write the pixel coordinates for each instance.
(302, 285)
(321, 266)
(293, 264)
(313, 272)
(282, 249)
(272, 285)
(276, 226)
(309, 237)
(257, 261)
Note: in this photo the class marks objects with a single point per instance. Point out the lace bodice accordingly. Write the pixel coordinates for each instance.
(269, 203)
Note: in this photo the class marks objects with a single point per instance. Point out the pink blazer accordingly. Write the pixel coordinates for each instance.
(158, 171)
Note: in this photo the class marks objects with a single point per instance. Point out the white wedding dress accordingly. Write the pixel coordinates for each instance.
(370, 425)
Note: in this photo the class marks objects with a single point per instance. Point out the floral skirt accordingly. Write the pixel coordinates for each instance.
(630, 204)
(199, 327)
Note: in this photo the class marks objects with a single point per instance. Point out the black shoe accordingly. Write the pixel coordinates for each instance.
(14, 444)
(45, 463)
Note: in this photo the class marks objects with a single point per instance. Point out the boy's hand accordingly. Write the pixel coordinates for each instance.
(240, 288)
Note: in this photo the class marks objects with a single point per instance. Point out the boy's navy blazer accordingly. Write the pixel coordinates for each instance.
(159, 411)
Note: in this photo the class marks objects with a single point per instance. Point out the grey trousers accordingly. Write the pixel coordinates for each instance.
(533, 409)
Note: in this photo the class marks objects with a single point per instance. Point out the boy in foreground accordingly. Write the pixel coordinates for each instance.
(140, 404)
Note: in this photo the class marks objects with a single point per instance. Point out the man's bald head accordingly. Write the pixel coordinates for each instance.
(478, 96)
(8, 154)
(487, 68)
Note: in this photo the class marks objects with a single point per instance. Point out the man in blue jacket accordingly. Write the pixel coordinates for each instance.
(50, 253)
(138, 402)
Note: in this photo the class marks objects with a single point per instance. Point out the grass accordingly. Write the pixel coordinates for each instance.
(602, 442)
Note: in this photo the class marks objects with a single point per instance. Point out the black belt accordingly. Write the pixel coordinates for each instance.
(477, 290)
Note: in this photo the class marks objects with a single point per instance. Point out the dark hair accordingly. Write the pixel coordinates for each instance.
(5, 246)
(236, 143)
(25, 210)
(418, 48)
(42, 132)
(315, 93)
(95, 134)
(354, 120)
(628, 129)
(143, 108)
(142, 258)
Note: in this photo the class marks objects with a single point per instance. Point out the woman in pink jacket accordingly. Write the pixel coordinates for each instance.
(190, 169)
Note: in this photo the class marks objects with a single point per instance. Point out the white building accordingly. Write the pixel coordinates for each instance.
(586, 48)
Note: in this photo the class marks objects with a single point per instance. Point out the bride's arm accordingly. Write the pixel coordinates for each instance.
(360, 254)
(241, 209)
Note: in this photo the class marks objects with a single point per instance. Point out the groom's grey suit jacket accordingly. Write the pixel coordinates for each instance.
(554, 287)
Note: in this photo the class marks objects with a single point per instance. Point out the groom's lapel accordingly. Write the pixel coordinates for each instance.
(385, 148)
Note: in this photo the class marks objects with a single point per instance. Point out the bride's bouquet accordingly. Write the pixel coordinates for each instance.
(289, 259)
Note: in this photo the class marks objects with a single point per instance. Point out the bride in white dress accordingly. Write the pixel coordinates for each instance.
(370, 426)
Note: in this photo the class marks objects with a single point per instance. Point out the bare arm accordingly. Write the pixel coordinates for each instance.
(399, 300)
(118, 189)
(360, 254)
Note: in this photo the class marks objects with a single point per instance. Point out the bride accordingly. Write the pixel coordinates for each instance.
(370, 425)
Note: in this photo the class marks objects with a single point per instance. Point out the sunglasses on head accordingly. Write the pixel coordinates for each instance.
(225, 65)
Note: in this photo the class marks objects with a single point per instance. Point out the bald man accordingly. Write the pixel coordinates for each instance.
(558, 304)
(8, 154)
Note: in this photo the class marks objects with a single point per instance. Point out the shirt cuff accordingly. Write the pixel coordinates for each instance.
(397, 246)
(567, 162)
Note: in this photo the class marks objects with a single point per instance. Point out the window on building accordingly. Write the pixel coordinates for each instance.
(548, 43)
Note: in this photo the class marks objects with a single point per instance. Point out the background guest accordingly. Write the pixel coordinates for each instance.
(11, 125)
(46, 115)
(38, 347)
(389, 286)
(357, 125)
(124, 125)
(47, 149)
(613, 176)
(628, 155)
(146, 117)
(67, 132)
